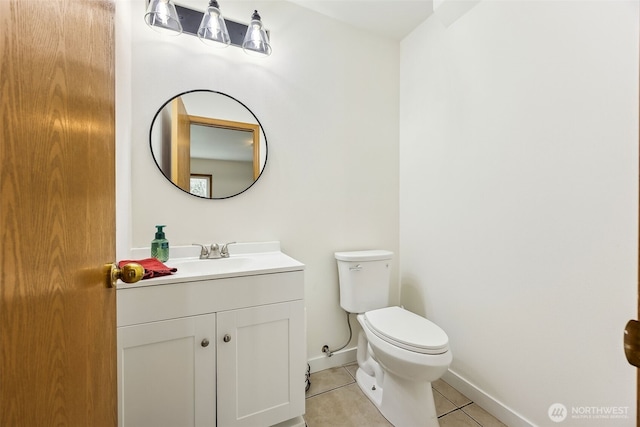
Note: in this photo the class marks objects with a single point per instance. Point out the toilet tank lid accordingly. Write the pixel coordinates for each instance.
(370, 255)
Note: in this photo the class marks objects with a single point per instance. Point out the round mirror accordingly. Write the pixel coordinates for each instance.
(208, 144)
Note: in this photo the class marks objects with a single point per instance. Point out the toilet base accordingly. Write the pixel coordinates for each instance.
(403, 403)
(367, 384)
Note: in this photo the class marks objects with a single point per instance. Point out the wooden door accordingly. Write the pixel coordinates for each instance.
(57, 214)
(632, 329)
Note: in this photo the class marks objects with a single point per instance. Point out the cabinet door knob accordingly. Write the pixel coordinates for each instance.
(226, 338)
(205, 342)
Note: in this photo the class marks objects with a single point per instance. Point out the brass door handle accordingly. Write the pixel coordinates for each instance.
(632, 342)
(129, 273)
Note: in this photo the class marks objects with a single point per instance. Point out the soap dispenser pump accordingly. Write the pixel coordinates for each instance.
(160, 245)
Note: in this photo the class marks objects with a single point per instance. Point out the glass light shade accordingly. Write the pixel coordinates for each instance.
(256, 40)
(213, 30)
(162, 17)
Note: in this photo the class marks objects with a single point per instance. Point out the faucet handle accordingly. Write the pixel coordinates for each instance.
(204, 252)
(225, 249)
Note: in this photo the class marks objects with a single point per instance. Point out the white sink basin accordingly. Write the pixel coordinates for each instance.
(191, 269)
(195, 266)
(235, 265)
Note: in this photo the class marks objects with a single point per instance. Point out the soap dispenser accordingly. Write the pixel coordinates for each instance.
(160, 245)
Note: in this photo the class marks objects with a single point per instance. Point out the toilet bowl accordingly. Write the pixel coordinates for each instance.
(401, 388)
(399, 352)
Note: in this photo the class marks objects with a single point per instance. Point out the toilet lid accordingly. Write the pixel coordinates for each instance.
(407, 330)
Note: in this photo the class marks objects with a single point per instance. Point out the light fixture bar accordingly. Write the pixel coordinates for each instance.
(190, 20)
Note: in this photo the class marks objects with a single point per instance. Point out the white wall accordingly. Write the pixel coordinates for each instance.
(519, 200)
(328, 100)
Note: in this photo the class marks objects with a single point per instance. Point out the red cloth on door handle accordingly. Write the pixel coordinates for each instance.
(152, 267)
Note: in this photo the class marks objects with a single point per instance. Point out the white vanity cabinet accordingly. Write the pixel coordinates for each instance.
(257, 354)
(223, 352)
(167, 377)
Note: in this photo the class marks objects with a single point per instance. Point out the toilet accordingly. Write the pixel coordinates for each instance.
(399, 352)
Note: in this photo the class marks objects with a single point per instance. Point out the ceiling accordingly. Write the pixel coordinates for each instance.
(388, 18)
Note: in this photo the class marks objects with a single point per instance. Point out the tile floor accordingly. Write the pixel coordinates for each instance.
(334, 399)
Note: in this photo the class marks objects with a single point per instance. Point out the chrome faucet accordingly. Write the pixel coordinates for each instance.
(214, 251)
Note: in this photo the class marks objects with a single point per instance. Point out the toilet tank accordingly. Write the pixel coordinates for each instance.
(364, 279)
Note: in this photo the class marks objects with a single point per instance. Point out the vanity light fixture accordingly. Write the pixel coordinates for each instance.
(256, 40)
(213, 30)
(210, 27)
(162, 16)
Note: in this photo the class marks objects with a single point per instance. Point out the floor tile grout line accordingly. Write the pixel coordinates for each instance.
(329, 390)
(452, 402)
(449, 412)
(468, 414)
(335, 388)
(460, 409)
(345, 368)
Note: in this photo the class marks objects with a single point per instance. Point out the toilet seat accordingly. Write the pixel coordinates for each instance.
(407, 330)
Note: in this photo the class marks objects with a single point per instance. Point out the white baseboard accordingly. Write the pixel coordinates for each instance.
(493, 406)
(339, 358)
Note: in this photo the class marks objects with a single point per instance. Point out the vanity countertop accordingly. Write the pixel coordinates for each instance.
(246, 259)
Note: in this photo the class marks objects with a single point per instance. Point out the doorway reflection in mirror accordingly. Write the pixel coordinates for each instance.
(206, 133)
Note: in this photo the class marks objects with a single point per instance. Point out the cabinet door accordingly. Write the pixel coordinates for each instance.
(166, 373)
(261, 364)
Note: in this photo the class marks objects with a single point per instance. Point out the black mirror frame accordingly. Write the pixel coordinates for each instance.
(266, 156)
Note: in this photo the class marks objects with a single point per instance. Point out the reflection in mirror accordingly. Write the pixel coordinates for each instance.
(208, 144)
